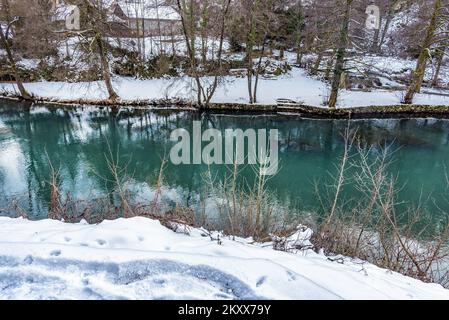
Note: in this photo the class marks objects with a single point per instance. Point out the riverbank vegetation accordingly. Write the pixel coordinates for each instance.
(374, 227)
(317, 58)
(227, 51)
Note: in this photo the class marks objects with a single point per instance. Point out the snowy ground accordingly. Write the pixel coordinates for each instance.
(295, 85)
(140, 259)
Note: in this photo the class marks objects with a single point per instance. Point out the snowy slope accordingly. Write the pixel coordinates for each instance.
(140, 259)
(295, 86)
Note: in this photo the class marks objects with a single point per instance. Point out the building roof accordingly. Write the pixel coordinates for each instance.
(122, 10)
(150, 9)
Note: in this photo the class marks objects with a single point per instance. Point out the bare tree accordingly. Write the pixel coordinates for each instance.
(440, 54)
(94, 13)
(4, 37)
(418, 74)
(192, 13)
(388, 11)
(255, 20)
(341, 53)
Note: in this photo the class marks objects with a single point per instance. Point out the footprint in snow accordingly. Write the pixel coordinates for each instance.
(261, 281)
(101, 242)
(55, 253)
(140, 238)
(220, 253)
(291, 276)
(67, 239)
(160, 282)
(28, 260)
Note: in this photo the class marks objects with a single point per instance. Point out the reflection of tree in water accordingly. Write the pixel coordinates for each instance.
(78, 140)
(57, 133)
(37, 137)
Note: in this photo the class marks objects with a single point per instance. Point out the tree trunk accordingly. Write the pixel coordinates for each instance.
(249, 71)
(384, 34)
(95, 18)
(113, 96)
(329, 64)
(299, 34)
(316, 65)
(388, 20)
(375, 45)
(188, 28)
(220, 52)
(259, 64)
(440, 58)
(23, 92)
(192, 30)
(204, 32)
(418, 74)
(340, 57)
(299, 56)
(250, 43)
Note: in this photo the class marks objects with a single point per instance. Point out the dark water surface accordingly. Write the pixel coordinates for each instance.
(78, 140)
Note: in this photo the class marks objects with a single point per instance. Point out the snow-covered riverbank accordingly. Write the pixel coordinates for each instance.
(138, 258)
(296, 86)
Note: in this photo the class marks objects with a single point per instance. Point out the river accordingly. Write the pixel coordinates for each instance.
(78, 140)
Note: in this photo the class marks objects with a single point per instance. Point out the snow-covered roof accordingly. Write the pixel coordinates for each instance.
(133, 9)
(149, 10)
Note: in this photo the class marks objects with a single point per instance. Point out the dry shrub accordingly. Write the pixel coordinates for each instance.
(244, 209)
(374, 229)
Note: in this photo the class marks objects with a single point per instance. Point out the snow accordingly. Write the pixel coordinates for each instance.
(172, 45)
(153, 46)
(29, 63)
(138, 258)
(149, 11)
(296, 85)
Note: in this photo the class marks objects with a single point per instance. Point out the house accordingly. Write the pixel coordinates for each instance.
(127, 18)
(148, 18)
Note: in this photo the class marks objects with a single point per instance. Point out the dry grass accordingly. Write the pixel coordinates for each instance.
(373, 229)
